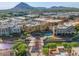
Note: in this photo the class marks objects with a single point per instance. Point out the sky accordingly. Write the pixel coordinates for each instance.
(8, 5)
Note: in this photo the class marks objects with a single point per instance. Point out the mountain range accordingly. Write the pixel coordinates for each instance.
(24, 6)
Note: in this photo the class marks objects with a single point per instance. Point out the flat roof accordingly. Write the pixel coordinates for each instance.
(32, 23)
(48, 20)
(75, 23)
(56, 20)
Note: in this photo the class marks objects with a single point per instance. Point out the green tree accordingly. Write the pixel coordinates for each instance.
(26, 34)
(75, 38)
(67, 46)
(20, 48)
(77, 28)
(75, 44)
(72, 17)
(45, 51)
(51, 45)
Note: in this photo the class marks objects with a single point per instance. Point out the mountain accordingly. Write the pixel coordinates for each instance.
(22, 6)
(62, 7)
(26, 7)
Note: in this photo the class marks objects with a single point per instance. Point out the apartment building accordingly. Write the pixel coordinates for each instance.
(39, 24)
(66, 28)
(10, 26)
(32, 25)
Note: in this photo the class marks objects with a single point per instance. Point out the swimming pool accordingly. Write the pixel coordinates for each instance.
(43, 33)
(63, 54)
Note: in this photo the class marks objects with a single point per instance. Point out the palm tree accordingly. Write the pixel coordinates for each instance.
(20, 48)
